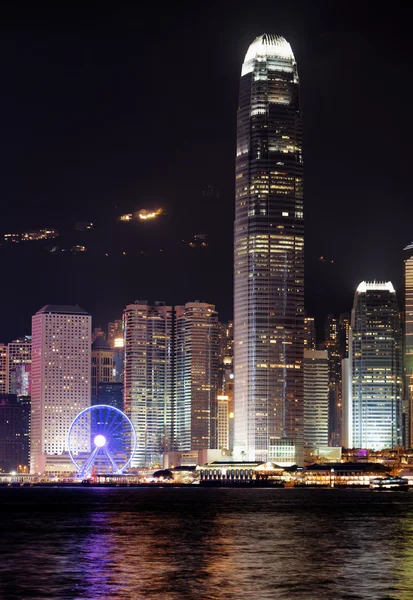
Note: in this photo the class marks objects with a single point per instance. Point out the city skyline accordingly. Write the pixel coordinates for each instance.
(62, 186)
(170, 365)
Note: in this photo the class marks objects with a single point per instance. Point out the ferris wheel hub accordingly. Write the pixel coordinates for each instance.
(99, 440)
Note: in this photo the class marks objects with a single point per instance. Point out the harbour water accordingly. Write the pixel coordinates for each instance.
(199, 543)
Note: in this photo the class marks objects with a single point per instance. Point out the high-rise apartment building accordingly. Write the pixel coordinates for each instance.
(102, 365)
(148, 372)
(3, 369)
(374, 409)
(19, 359)
(196, 376)
(60, 388)
(269, 257)
(407, 412)
(316, 398)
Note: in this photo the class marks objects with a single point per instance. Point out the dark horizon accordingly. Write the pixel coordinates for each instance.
(109, 111)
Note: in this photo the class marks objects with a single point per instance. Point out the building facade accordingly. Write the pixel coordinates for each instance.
(222, 422)
(3, 369)
(60, 387)
(110, 394)
(310, 337)
(102, 365)
(14, 433)
(332, 344)
(196, 376)
(19, 359)
(269, 257)
(115, 332)
(148, 372)
(316, 398)
(407, 411)
(376, 368)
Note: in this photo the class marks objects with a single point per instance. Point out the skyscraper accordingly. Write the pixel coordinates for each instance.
(374, 410)
(344, 330)
(19, 358)
(408, 348)
(3, 369)
(14, 432)
(316, 398)
(269, 257)
(225, 405)
(60, 389)
(116, 342)
(310, 337)
(196, 376)
(332, 344)
(115, 332)
(148, 379)
(111, 394)
(102, 365)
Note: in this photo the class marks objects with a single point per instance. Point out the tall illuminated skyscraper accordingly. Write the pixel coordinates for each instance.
(316, 400)
(408, 348)
(148, 379)
(269, 257)
(60, 387)
(374, 409)
(196, 376)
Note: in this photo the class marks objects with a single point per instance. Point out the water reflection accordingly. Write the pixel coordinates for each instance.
(206, 544)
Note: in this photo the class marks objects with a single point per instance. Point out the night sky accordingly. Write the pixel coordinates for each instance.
(107, 111)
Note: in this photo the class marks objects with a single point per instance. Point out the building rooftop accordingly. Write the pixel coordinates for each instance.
(58, 309)
(100, 344)
(269, 44)
(366, 467)
(384, 286)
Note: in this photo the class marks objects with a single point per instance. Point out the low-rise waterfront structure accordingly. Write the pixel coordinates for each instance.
(343, 474)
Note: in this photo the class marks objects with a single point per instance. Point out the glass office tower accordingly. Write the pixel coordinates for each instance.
(196, 360)
(408, 348)
(269, 257)
(148, 379)
(376, 363)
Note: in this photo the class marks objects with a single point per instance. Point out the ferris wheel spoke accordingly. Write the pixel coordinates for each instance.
(113, 421)
(119, 424)
(89, 463)
(112, 462)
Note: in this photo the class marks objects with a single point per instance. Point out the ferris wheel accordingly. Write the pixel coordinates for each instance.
(101, 439)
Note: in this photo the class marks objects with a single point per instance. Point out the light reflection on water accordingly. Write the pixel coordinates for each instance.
(170, 544)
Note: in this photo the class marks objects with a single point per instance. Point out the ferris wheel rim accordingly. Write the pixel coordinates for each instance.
(111, 408)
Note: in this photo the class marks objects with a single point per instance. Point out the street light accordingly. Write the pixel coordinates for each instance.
(331, 478)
